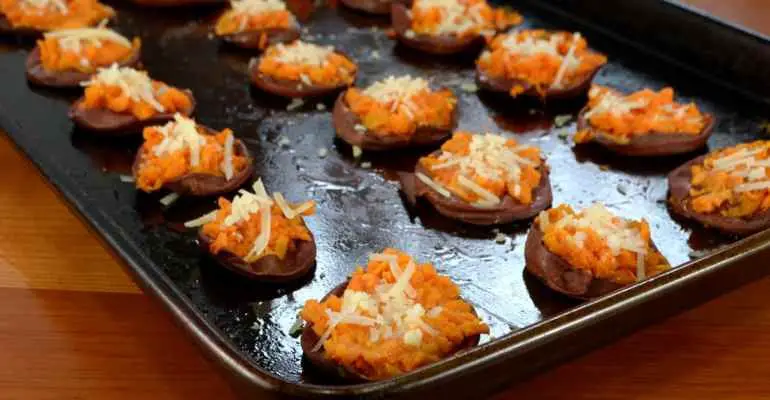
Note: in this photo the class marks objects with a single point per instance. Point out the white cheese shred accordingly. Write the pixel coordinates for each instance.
(169, 199)
(227, 163)
(202, 220)
(566, 61)
(641, 272)
(133, 83)
(433, 184)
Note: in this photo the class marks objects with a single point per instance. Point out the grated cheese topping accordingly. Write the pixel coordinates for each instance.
(396, 89)
(543, 59)
(390, 312)
(528, 45)
(619, 233)
(489, 158)
(456, 16)
(612, 102)
(303, 53)
(182, 133)
(397, 92)
(247, 205)
(734, 182)
(253, 7)
(136, 84)
(41, 5)
(566, 62)
(619, 117)
(73, 39)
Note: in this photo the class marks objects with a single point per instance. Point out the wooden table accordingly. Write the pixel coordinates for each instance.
(74, 326)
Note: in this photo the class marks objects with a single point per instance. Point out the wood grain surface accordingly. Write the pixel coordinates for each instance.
(753, 14)
(73, 325)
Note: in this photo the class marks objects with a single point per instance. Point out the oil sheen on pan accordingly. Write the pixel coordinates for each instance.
(359, 208)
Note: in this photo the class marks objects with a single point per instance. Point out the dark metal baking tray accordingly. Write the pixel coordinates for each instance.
(245, 326)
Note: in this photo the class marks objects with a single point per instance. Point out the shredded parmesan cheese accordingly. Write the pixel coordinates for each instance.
(489, 157)
(614, 103)
(182, 133)
(134, 84)
(641, 273)
(456, 16)
(58, 5)
(202, 220)
(566, 61)
(357, 152)
(169, 199)
(303, 53)
(616, 231)
(295, 104)
(227, 163)
(73, 39)
(254, 7)
(397, 91)
(246, 205)
(389, 312)
(478, 189)
(749, 187)
(433, 185)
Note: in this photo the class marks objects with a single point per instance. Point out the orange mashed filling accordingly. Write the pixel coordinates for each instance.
(80, 14)
(105, 53)
(542, 68)
(239, 238)
(114, 99)
(485, 20)
(650, 111)
(157, 170)
(459, 146)
(336, 70)
(427, 108)
(350, 345)
(233, 22)
(592, 252)
(713, 189)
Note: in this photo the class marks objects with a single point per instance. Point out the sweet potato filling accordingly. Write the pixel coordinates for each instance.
(238, 235)
(482, 169)
(90, 55)
(233, 22)
(54, 14)
(395, 316)
(308, 64)
(620, 118)
(545, 60)
(162, 99)
(461, 18)
(163, 160)
(399, 106)
(596, 241)
(733, 182)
